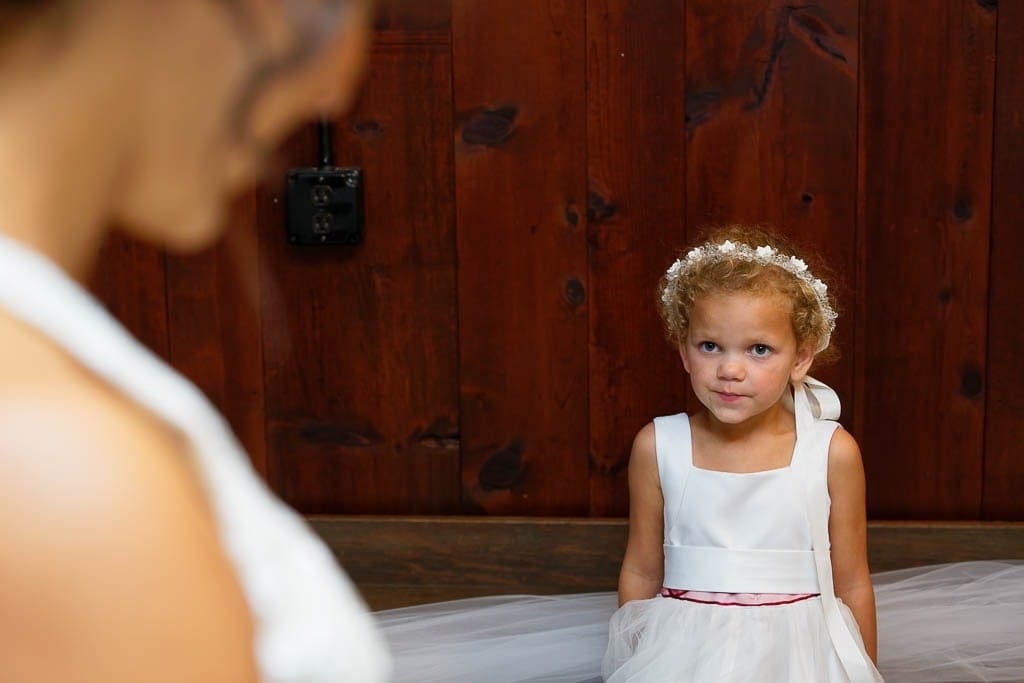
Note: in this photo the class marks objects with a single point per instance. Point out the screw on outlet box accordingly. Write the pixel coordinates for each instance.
(324, 205)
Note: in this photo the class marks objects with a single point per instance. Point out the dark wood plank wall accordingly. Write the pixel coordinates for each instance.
(530, 169)
(520, 179)
(360, 346)
(131, 282)
(1004, 407)
(213, 321)
(636, 152)
(926, 127)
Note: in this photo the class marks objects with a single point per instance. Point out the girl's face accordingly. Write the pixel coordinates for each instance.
(741, 354)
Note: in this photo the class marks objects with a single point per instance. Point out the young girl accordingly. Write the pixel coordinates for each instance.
(747, 557)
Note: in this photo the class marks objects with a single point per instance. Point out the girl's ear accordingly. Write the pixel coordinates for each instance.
(682, 355)
(804, 359)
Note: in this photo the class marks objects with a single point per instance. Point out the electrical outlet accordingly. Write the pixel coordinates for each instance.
(324, 206)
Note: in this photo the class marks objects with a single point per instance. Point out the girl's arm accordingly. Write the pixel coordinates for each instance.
(848, 532)
(643, 565)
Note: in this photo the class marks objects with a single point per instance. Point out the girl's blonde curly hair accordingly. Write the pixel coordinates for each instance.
(729, 275)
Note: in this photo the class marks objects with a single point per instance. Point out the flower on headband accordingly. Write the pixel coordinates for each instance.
(673, 270)
(819, 287)
(693, 255)
(798, 264)
(727, 247)
(765, 252)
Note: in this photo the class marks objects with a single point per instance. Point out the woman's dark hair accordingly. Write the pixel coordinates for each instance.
(314, 29)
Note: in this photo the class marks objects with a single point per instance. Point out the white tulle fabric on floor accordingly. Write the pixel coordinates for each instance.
(940, 624)
(952, 623)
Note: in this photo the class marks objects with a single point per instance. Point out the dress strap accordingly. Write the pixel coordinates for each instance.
(815, 405)
(674, 452)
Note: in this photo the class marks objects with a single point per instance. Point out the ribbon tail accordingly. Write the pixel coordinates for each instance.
(823, 400)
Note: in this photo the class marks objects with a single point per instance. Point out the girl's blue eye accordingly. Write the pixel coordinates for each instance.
(708, 347)
(760, 350)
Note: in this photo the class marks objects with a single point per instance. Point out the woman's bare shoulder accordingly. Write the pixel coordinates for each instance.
(107, 537)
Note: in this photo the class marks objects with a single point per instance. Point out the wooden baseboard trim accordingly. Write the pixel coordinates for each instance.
(399, 561)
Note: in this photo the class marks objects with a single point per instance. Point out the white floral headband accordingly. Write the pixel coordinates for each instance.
(768, 256)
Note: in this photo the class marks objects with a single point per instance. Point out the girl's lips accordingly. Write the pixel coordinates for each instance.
(727, 397)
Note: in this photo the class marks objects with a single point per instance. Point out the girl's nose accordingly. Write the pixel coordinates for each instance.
(730, 369)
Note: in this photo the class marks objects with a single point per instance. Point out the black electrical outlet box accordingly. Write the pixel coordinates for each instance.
(324, 206)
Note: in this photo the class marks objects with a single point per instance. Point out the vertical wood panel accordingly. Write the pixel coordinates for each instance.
(1004, 413)
(520, 175)
(214, 312)
(771, 109)
(572, 130)
(926, 139)
(360, 344)
(129, 281)
(635, 67)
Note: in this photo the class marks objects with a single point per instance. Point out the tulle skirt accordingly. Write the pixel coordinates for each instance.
(957, 622)
(663, 639)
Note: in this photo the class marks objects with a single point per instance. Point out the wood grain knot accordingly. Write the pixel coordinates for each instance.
(504, 469)
(970, 383)
(340, 435)
(490, 127)
(575, 294)
(599, 209)
(962, 210)
(990, 5)
(701, 107)
(442, 434)
(609, 466)
(572, 215)
(367, 129)
(807, 199)
(945, 295)
(821, 34)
